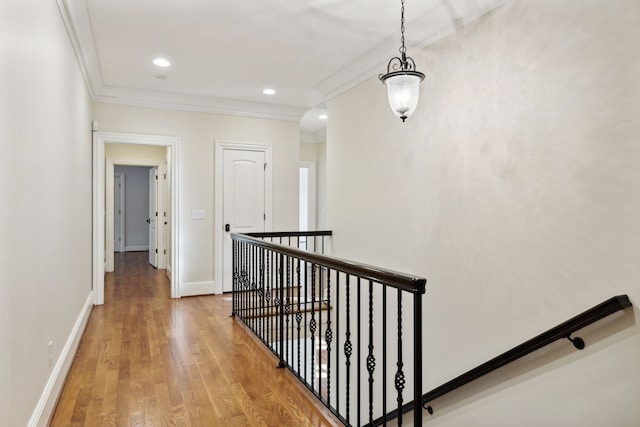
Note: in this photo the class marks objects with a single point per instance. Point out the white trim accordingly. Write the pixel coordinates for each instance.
(122, 246)
(75, 17)
(197, 288)
(218, 233)
(46, 404)
(99, 141)
(312, 219)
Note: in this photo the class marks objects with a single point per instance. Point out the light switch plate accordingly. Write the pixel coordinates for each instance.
(197, 214)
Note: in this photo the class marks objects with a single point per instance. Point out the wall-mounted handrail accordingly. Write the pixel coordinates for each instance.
(563, 330)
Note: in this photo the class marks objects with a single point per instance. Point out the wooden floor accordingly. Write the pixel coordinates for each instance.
(148, 360)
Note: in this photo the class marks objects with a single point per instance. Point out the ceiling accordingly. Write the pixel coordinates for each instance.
(223, 54)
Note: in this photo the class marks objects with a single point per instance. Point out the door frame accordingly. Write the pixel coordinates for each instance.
(219, 233)
(110, 163)
(312, 216)
(122, 210)
(99, 192)
(156, 188)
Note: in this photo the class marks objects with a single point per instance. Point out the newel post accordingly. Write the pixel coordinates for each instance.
(417, 357)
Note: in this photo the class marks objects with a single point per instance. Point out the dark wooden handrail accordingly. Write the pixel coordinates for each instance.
(291, 233)
(412, 284)
(563, 330)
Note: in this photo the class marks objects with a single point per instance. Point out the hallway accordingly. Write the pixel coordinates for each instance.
(148, 360)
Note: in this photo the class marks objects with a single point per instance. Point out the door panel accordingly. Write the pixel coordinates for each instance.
(153, 217)
(118, 212)
(243, 200)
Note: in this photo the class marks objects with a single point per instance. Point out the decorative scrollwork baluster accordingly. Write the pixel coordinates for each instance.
(348, 350)
(371, 359)
(399, 377)
(328, 336)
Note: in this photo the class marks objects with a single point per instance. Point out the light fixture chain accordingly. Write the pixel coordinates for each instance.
(402, 48)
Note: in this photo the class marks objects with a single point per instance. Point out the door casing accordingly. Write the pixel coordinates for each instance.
(99, 191)
(118, 196)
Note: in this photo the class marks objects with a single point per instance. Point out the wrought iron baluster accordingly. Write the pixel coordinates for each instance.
(384, 352)
(271, 267)
(359, 357)
(399, 378)
(320, 289)
(267, 298)
(417, 359)
(261, 294)
(348, 348)
(281, 364)
(287, 308)
(299, 312)
(312, 326)
(306, 311)
(254, 286)
(371, 359)
(234, 290)
(337, 354)
(328, 336)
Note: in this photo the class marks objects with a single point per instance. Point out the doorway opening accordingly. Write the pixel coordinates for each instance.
(140, 212)
(103, 201)
(307, 199)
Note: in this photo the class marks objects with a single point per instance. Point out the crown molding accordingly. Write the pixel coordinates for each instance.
(197, 103)
(76, 20)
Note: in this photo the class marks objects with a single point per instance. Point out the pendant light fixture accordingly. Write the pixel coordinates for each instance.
(402, 80)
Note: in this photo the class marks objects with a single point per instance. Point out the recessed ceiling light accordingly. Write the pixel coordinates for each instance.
(323, 117)
(269, 91)
(162, 62)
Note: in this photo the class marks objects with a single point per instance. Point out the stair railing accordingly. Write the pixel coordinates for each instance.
(564, 330)
(351, 333)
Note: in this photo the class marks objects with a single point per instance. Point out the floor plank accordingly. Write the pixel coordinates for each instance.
(148, 360)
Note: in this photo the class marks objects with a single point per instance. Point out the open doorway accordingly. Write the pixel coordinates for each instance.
(147, 205)
(139, 211)
(105, 160)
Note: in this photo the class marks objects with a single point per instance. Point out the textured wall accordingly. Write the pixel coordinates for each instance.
(514, 190)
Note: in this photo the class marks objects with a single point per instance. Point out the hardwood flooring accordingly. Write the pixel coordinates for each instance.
(148, 360)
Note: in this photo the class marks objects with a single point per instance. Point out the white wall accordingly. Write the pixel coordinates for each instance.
(317, 152)
(136, 206)
(135, 151)
(198, 133)
(46, 232)
(514, 190)
(7, 133)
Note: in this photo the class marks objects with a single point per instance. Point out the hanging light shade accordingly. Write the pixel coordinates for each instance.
(402, 80)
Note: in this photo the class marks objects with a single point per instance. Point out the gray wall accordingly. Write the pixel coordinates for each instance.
(136, 206)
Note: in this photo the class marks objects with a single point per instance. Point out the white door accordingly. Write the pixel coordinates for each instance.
(153, 217)
(166, 201)
(118, 212)
(243, 202)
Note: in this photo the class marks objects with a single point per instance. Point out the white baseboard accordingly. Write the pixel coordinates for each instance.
(197, 288)
(136, 248)
(169, 271)
(44, 409)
